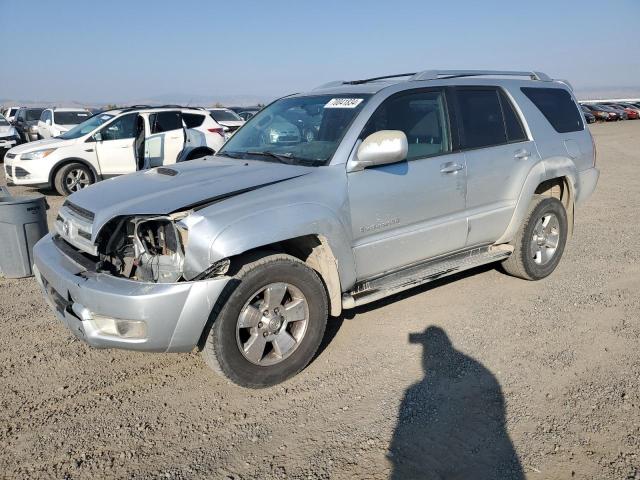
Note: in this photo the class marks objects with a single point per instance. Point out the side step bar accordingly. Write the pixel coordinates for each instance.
(421, 273)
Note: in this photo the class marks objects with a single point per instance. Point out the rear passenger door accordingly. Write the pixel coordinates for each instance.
(499, 155)
(166, 138)
(412, 210)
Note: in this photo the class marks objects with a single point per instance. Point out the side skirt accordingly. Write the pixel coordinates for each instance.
(421, 273)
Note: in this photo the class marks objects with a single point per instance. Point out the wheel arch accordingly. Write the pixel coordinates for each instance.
(554, 177)
(190, 154)
(66, 161)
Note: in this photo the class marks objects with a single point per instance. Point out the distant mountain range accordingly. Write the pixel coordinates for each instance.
(246, 100)
(167, 99)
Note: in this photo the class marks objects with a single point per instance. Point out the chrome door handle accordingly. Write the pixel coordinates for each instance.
(450, 167)
(521, 154)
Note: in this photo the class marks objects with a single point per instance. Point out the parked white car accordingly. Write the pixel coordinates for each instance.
(113, 143)
(55, 121)
(229, 119)
(10, 113)
(8, 135)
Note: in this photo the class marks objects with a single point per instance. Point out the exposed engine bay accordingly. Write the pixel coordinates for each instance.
(148, 249)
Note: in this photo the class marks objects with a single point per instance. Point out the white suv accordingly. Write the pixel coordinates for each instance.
(10, 113)
(113, 143)
(55, 121)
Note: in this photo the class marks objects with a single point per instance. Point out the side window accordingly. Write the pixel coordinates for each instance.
(515, 130)
(165, 121)
(421, 116)
(192, 120)
(557, 106)
(123, 127)
(481, 117)
(43, 117)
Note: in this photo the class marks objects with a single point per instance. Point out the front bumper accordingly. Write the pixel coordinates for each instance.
(175, 313)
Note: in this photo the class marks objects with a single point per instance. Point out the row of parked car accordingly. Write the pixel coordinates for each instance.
(611, 111)
(71, 148)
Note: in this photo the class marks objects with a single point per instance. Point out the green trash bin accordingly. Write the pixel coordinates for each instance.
(23, 221)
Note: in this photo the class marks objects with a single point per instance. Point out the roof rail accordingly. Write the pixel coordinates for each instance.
(435, 74)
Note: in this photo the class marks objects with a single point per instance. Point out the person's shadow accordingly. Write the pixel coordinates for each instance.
(451, 424)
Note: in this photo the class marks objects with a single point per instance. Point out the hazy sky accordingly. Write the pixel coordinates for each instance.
(117, 50)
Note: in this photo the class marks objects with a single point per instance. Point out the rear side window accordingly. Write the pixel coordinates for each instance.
(482, 120)
(192, 120)
(557, 106)
(165, 121)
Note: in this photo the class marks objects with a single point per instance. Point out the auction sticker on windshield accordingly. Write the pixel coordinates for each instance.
(343, 103)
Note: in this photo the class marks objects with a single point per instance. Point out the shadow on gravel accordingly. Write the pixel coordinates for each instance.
(451, 424)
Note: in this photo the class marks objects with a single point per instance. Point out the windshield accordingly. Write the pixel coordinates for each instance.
(87, 126)
(33, 114)
(298, 130)
(70, 118)
(224, 116)
(3, 121)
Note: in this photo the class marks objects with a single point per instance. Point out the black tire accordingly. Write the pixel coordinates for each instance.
(221, 350)
(521, 263)
(62, 182)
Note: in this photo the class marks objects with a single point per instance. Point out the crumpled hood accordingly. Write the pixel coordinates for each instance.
(40, 144)
(168, 189)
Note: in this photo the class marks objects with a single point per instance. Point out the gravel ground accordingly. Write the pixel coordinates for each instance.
(515, 378)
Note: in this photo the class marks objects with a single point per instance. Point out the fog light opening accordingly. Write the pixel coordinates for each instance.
(120, 328)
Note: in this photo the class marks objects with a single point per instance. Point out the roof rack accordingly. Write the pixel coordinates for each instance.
(436, 74)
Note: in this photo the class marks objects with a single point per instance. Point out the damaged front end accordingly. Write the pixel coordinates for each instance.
(145, 248)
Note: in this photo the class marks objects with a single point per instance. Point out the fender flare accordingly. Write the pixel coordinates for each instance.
(60, 163)
(549, 169)
(185, 154)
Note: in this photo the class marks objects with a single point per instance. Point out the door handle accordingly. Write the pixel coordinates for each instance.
(450, 167)
(521, 154)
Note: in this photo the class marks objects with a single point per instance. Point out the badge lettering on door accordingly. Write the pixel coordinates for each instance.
(379, 225)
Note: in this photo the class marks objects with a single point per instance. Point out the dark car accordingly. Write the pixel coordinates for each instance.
(632, 112)
(601, 114)
(622, 115)
(26, 123)
(590, 117)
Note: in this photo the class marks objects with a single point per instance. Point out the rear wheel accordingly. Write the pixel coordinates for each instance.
(540, 242)
(72, 178)
(271, 325)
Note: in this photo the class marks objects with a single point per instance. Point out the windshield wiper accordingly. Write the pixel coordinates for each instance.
(287, 159)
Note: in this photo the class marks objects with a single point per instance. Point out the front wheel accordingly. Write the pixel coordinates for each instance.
(271, 324)
(71, 178)
(540, 242)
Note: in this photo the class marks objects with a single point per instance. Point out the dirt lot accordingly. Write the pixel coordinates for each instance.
(544, 378)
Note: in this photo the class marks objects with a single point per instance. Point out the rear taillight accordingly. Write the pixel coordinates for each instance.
(219, 131)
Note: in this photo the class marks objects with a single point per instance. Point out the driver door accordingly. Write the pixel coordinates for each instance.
(114, 147)
(413, 210)
(165, 140)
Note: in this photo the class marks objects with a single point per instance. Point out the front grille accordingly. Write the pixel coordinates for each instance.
(20, 172)
(79, 211)
(10, 155)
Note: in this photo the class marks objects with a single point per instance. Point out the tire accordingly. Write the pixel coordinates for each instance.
(538, 248)
(70, 173)
(226, 349)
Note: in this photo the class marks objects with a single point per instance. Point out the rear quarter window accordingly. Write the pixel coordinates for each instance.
(557, 106)
(193, 120)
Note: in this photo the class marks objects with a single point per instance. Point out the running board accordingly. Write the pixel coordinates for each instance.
(421, 273)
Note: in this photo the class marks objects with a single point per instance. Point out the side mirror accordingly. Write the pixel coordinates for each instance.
(97, 137)
(380, 148)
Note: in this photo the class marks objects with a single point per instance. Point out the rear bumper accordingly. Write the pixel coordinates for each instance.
(175, 314)
(587, 181)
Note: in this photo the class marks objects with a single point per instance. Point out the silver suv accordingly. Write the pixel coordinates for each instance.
(374, 187)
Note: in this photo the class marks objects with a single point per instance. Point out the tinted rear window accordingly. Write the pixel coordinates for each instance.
(557, 106)
(165, 121)
(192, 120)
(482, 120)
